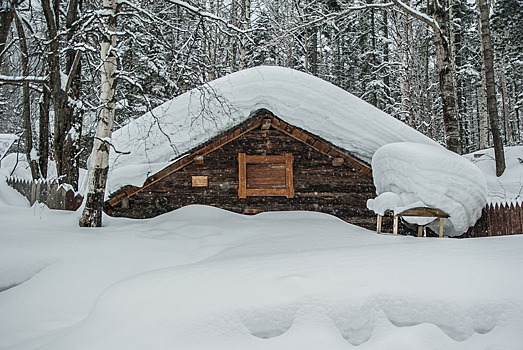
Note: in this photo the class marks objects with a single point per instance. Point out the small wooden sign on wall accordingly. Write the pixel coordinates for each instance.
(200, 181)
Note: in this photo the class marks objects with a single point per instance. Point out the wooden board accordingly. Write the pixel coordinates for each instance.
(200, 181)
(265, 175)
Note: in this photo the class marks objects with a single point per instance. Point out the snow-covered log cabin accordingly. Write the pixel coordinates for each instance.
(263, 139)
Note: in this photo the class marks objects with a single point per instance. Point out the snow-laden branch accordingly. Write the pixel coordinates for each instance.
(205, 14)
(416, 14)
(337, 15)
(108, 141)
(7, 79)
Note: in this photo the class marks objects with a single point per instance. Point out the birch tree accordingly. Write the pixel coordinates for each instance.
(99, 166)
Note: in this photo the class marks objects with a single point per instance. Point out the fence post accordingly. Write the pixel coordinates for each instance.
(34, 196)
(490, 221)
(506, 217)
(61, 198)
(38, 191)
(520, 213)
(512, 218)
(51, 198)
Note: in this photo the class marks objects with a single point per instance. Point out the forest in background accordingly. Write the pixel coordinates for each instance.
(422, 62)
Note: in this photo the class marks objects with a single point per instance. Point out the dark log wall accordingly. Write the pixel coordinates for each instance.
(318, 185)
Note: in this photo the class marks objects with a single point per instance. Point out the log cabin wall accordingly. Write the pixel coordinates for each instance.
(318, 184)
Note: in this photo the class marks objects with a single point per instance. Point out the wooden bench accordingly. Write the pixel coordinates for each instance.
(417, 212)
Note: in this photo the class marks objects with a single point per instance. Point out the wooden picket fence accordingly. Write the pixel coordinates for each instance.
(500, 218)
(52, 194)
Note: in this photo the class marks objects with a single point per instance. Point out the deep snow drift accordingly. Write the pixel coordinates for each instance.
(408, 175)
(203, 278)
(170, 130)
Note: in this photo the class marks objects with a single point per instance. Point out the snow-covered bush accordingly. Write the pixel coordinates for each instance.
(408, 175)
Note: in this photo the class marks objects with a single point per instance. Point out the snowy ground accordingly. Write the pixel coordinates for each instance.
(510, 184)
(203, 278)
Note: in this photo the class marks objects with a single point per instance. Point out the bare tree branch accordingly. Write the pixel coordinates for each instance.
(337, 15)
(202, 13)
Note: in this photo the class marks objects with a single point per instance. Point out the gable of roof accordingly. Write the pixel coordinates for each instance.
(262, 118)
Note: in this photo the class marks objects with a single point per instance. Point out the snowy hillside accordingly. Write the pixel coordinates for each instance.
(160, 137)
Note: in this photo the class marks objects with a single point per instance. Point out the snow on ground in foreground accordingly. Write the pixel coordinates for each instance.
(204, 278)
(408, 175)
(510, 184)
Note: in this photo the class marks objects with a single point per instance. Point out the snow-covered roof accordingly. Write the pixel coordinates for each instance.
(165, 134)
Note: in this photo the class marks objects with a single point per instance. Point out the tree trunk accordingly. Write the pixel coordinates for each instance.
(447, 82)
(72, 114)
(374, 100)
(488, 64)
(26, 101)
(403, 39)
(99, 166)
(428, 94)
(482, 116)
(516, 113)
(440, 24)
(43, 143)
(509, 132)
(233, 40)
(458, 43)
(386, 54)
(6, 18)
(245, 24)
(59, 96)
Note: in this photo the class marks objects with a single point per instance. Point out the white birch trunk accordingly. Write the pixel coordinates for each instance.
(99, 166)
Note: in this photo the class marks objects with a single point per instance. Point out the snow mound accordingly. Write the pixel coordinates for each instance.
(205, 278)
(408, 175)
(169, 131)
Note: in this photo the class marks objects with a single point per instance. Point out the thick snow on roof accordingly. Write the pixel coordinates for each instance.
(170, 130)
(408, 175)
